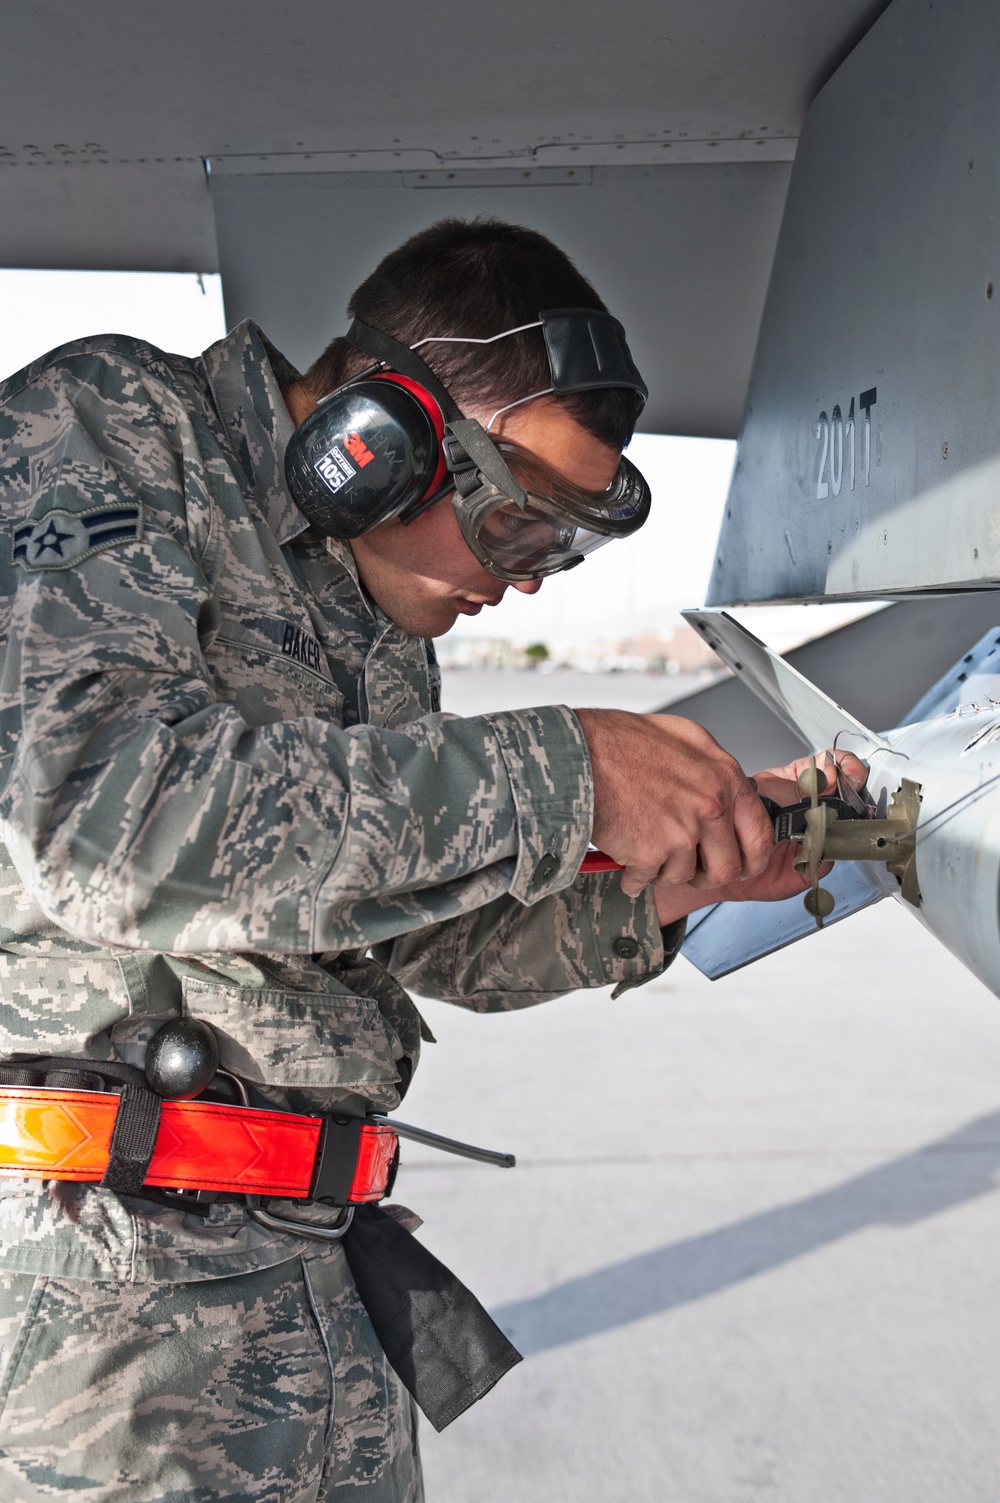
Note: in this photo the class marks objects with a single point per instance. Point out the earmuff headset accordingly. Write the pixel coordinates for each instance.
(372, 449)
(392, 441)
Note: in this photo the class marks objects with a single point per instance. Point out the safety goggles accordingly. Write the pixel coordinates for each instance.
(521, 518)
(541, 523)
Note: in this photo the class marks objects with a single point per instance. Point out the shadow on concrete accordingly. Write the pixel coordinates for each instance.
(933, 1179)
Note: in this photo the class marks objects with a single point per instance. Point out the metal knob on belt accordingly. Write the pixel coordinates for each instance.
(181, 1059)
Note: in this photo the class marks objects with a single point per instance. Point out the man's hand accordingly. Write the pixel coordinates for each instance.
(779, 879)
(671, 805)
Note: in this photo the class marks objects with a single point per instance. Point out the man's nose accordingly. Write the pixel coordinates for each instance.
(529, 586)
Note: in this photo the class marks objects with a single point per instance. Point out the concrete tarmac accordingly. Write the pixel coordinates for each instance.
(749, 1251)
(476, 692)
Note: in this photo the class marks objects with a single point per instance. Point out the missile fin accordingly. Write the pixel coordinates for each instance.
(806, 710)
(974, 679)
(730, 935)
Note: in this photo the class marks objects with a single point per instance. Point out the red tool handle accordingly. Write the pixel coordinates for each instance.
(597, 861)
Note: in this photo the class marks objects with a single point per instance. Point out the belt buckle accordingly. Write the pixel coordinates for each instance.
(274, 1223)
(350, 1148)
(333, 1233)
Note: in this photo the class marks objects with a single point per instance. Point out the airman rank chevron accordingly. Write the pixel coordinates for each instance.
(60, 539)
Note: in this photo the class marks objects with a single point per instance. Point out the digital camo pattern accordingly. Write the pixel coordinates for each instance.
(592, 936)
(269, 1387)
(164, 699)
(224, 778)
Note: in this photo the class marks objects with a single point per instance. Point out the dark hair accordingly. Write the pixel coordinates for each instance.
(475, 278)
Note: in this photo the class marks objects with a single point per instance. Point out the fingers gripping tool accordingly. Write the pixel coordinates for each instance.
(790, 822)
(834, 827)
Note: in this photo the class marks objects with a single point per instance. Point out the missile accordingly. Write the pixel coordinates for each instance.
(930, 835)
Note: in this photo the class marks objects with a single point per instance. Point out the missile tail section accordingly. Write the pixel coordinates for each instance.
(929, 831)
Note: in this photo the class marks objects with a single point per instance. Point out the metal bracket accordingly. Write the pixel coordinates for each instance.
(891, 839)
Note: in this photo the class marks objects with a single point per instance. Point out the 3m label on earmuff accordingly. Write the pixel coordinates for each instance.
(367, 452)
(358, 449)
(334, 468)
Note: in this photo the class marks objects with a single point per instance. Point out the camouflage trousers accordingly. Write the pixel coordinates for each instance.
(268, 1386)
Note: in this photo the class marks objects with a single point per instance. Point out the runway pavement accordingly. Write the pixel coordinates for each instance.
(750, 1250)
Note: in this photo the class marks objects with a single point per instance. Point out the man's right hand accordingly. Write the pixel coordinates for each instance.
(670, 804)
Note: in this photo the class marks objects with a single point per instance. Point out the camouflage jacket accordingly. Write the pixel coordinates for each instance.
(225, 778)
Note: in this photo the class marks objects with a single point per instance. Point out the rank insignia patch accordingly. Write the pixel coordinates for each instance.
(61, 539)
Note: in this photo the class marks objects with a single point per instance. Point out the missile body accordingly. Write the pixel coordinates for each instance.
(956, 761)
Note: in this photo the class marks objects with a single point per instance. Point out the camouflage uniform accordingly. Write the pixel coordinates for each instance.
(225, 778)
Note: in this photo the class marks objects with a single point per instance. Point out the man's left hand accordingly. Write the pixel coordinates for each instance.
(779, 880)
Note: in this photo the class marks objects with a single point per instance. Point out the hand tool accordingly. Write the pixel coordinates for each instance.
(789, 824)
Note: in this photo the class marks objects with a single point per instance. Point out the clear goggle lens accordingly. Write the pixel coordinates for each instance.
(533, 542)
(559, 526)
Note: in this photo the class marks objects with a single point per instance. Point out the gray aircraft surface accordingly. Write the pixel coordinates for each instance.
(869, 463)
(818, 183)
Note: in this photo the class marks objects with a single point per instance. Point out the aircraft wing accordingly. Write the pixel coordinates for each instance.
(730, 935)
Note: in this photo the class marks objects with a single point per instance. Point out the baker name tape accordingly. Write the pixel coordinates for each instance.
(61, 539)
(301, 648)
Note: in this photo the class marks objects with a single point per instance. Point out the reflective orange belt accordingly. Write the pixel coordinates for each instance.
(200, 1145)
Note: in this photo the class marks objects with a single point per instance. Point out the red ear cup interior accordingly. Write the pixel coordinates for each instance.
(436, 416)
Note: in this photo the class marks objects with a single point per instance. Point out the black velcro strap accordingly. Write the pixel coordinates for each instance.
(443, 1345)
(137, 1122)
(336, 1160)
(20, 1075)
(404, 360)
(133, 1139)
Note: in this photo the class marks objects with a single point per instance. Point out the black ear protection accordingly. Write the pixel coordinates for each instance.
(372, 449)
(392, 441)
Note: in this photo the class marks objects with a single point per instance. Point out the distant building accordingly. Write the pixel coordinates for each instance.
(680, 650)
(477, 652)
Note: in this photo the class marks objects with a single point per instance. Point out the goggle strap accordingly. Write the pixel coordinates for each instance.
(475, 443)
(404, 360)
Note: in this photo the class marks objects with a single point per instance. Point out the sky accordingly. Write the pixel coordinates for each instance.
(41, 309)
(633, 585)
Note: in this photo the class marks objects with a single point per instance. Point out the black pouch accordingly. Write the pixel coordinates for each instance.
(443, 1345)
